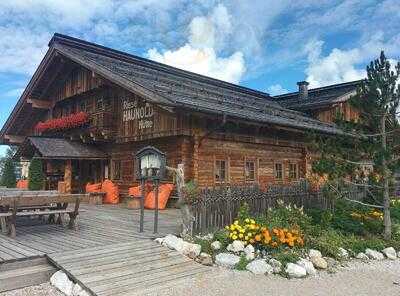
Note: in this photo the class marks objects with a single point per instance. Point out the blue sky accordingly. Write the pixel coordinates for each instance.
(263, 44)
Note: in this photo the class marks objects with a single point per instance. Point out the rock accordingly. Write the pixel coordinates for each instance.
(159, 240)
(343, 253)
(173, 242)
(205, 259)
(319, 262)
(276, 265)
(362, 256)
(373, 254)
(236, 246)
(79, 291)
(314, 253)
(398, 254)
(216, 245)
(295, 271)
(191, 250)
(249, 252)
(259, 266)
(227, 260)
(307, 265)
(390, 253)
(61, 281)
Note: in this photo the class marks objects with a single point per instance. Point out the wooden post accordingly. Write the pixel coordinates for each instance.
(143, 190)
(68, 176)
(157, 184)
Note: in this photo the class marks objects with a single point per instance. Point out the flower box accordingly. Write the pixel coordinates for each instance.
(63, 123)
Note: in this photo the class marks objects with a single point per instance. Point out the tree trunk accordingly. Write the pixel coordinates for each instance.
(386, 197)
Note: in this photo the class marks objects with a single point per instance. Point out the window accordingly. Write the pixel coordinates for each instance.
(278, 171)
(293, 171)
(220, 171)
(250, 173)
(116, 169)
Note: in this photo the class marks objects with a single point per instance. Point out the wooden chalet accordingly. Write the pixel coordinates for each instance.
(88, 109)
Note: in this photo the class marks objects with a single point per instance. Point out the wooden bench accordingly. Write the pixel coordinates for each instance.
(39, 205)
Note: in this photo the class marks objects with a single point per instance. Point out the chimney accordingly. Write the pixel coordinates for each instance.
(303, 89)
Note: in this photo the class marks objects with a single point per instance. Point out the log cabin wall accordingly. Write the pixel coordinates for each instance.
(328, 115)
(264, 157)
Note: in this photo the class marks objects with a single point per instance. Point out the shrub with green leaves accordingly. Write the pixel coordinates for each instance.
(241, 265)
(36, 175)
(8, 177)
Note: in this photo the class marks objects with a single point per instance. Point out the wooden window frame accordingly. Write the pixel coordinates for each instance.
(254, 162)
(296, 171)
(115, 175)
(226, 176)
(282, 170)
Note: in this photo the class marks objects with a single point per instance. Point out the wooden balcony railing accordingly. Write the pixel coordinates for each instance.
(103, 120)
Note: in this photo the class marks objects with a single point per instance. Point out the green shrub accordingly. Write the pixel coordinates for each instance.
(286, 256)
(8, 177)
(191, 191)
(244, 212)
(35, 175)
(288, 216)
(359, 244)
(223, 237)
(205, 245)
(241, 265)
(322, 218)
(328, 242)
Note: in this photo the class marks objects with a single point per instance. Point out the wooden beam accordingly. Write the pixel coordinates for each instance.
(13, 139)
(41, 104)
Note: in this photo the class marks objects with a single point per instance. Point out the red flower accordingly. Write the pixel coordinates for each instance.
(62, 123)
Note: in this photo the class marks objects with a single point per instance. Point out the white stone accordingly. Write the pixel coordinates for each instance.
(362, 256)
(79, 291)
(236, 246)
(398, 254)
(390, 253)
(227, 260)
(295, 271)
(159, 240)
(216, 245)
(191, 250)
(314, 253)
(343, 253)
(373, 254)
(61, 281)
(259, 266)
(307, 265)
(173, 242)
(249, 252)
(276, 265)
(319, 262)
(205, 259)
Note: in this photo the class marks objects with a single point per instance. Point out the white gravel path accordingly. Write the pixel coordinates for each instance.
(375, 278)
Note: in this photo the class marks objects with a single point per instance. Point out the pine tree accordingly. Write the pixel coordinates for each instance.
(35, 175)
(8, 177)
(372, 140)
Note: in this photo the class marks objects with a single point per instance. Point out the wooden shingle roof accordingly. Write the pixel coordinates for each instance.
(319, 97)
(54, 148)
(167, 85)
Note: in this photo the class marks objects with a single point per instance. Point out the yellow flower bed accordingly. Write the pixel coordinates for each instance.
(372, 215)
(252, 233)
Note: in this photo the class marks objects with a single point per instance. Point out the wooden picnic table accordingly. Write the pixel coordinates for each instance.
(37, 204)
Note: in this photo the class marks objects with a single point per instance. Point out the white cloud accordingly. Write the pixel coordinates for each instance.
(201, 53)
(276, 89)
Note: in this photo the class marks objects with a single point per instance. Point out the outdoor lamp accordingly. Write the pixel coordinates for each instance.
(151, 163)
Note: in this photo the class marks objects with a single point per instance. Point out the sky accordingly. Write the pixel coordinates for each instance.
(262, 44)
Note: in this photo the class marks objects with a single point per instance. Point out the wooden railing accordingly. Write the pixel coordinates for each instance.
(218, 207)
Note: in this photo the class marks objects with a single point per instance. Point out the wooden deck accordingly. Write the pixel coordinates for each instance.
(107, 255)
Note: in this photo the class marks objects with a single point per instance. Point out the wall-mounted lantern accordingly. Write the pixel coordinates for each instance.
(151, 164)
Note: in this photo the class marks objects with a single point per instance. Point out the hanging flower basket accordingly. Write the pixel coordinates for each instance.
(63, 123)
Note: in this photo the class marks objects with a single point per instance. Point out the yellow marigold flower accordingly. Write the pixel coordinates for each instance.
(247, 220)
(232, 227)
(252, 221)
(227, 227)
(240, 235)
(258, 237)
(234, 237)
